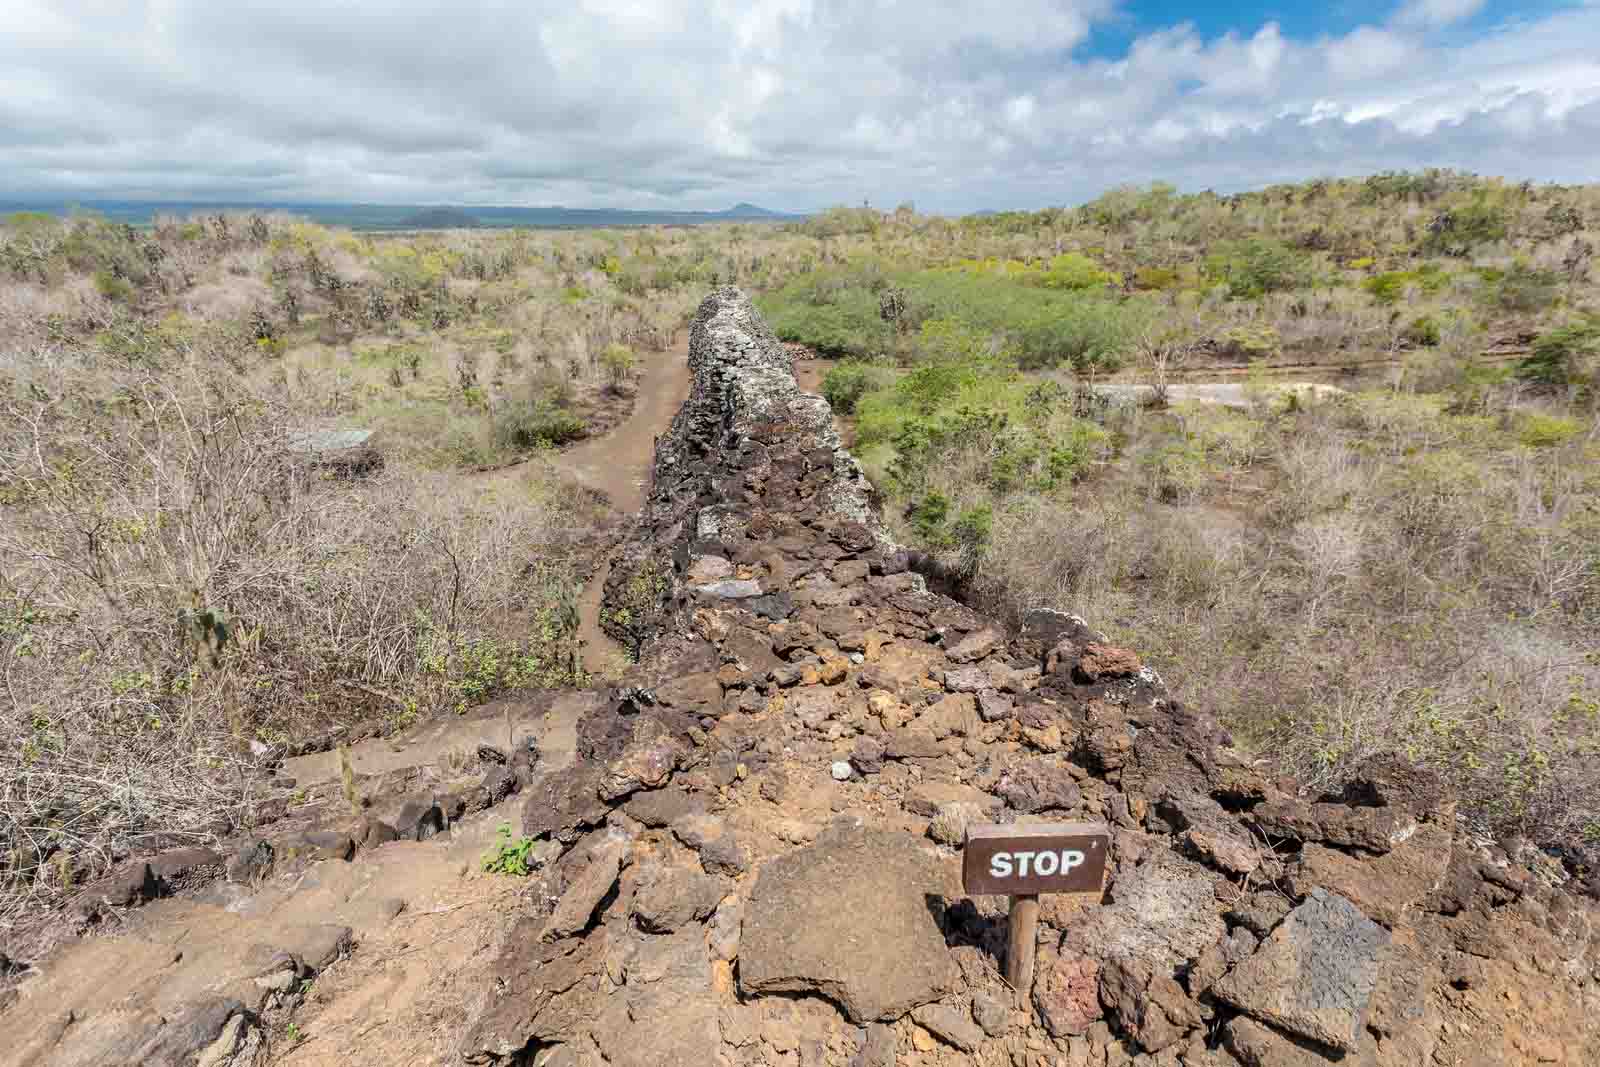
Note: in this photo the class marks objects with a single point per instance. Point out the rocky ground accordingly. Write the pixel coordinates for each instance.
(751, 853)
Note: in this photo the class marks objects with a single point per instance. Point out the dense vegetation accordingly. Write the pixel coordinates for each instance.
(1413, 563)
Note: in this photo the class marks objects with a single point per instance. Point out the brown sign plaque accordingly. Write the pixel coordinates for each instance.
(1063, 857)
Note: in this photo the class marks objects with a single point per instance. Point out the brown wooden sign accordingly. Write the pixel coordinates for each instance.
(1063, 857)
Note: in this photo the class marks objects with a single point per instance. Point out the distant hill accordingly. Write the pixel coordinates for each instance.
(441, 218)
(411, 216)
(743, 210)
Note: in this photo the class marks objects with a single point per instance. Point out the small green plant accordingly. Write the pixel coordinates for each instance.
(292, 1032)
(1547, 431)
(509, 855)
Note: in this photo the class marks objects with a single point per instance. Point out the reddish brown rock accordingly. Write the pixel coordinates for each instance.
(1099, 663)
(1150, 1007)
(1384, 887)
(1066, 992)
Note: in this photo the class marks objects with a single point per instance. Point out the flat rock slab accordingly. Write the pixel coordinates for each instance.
(1315, 974)
(433, 743)
(848, 917)
(1163, 912)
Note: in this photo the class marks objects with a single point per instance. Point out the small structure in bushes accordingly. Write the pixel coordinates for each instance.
(347, 452)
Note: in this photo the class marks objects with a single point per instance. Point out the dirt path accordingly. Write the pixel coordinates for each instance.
(423, 916)
(618, 465)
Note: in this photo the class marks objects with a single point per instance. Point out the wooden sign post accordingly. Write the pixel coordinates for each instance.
(1021, 862)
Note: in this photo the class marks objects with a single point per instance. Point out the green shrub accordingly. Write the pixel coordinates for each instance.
(112, 287)
(842, 220)
(1559, 356)
(1175, 470)
(1072, 270)
(536, 423)
(1422, 331)
(1155, 278)
(844, 384)
(1544, 431)
(1388, 287)
(1256, 266)
(618, 360)
(970, 535)
(928, 517)
(1247, 344)
(1456, 232)
(1524, 288)
(838, 312)
(835, 320)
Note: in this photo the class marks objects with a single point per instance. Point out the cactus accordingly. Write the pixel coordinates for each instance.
(207, 628)
(347, 778)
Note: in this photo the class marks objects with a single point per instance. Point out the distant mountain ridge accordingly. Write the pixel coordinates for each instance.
(411, 216)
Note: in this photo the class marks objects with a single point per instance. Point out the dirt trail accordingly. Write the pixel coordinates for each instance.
(618, 465)
(422, 915)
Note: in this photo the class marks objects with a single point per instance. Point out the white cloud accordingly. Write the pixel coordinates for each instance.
(796, 103)
(1431, 13)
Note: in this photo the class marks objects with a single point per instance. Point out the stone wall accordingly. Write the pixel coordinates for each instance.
(761, 837)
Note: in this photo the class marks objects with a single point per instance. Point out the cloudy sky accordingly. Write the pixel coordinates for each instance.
(793, 104)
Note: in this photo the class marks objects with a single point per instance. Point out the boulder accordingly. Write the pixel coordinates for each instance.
(252, 862)
(315, 947)
(185, 868)
(949, 826)
(848, 917)
(1371, 828)
(966, 680)
(543, 991)
(1164, 912)
(577, 905)
(1314, 975)
(1384, 887)
(566, 802)
(975, 646)
(1255, 1044)
(720, 851)
(1066, 992)
(127, 886)
(1151, 1007)
(667, 1013)
(1099, 663)
(952, 1025)
(660, 807)
(878, 1048)
(646, 763)
(190, 1035)
(676, 895)
(992, 1012)
(1038, 784)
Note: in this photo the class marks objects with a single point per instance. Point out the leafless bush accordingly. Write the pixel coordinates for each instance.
(174, 583)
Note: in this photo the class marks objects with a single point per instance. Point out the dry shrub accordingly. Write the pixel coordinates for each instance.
(229, 299)
(1397, 580)
(176, 583)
